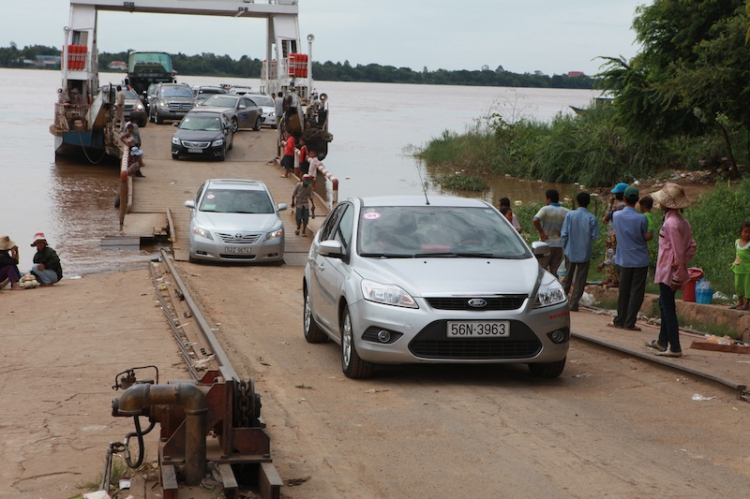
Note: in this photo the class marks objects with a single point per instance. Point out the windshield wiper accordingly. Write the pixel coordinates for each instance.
(385, 255)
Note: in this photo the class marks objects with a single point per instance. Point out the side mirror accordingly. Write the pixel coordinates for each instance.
(330, 248)
(281, 206)
(540, 249)
(190, 204)
(176, 124)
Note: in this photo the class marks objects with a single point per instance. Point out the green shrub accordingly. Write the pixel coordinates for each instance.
(461, 182)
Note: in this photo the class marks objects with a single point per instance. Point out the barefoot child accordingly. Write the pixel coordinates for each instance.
(741, 268)
(302, 200)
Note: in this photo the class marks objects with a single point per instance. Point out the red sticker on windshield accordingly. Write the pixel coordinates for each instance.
(371, 216)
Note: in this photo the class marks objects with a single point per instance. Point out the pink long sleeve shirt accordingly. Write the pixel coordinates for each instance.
(676, 248)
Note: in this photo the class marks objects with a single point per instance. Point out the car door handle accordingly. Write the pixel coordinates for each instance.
(321, 267)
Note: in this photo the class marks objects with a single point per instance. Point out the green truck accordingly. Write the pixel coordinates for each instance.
(145, 68)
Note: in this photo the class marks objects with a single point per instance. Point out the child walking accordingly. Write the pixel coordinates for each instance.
(302, 200)
(741, 268)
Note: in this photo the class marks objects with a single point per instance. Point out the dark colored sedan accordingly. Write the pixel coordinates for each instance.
(203, 134)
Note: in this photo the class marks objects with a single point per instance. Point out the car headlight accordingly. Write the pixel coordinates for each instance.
(550, 293)
(202, 232)
(271, 114)
(387, 294)
(217, 143)
(175, 141)
(163, 104)
(139, 107)
(275, 234)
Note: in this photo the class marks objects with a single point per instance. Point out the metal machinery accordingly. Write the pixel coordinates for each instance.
(309, 122)
(213, 420)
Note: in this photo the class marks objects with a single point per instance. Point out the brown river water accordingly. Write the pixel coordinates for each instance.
(374, 126)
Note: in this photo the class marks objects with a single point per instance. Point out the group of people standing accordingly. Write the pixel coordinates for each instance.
(46, 269)
(571, 233)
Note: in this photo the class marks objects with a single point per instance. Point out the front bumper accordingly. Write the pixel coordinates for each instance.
(209, 151)
(420, 335)
(219, 251)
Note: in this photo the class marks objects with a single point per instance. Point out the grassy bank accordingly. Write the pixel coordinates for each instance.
(589, 148)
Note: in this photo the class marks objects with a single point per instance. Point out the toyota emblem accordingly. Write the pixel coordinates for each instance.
(238, 236)
(477, 303)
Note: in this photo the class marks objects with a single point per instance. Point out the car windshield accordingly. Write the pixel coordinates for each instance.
(221, 101)
(198, 122)
(437, 231)
(261, 100)
(130, 94)
(176, 92)
(236, 201)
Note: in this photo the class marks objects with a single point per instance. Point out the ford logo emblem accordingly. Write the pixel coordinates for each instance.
(477, 303)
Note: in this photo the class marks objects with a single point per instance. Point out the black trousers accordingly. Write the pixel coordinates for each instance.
(631, 291)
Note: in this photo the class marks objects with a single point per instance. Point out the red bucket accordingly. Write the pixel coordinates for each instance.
(688, 289)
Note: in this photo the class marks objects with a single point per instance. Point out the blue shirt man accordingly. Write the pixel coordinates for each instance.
(631, 259)
(579, 230)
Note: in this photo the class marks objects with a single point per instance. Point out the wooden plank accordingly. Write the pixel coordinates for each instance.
(145, 225)
(169, 481)
(716, 347)
(269, 481)
(170, 227)
(228, 479)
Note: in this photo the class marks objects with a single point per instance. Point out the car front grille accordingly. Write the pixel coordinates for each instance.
(505, 302)
(179, 105)
(433, 343)
(129, 107)
(195, 145)
(243, 239)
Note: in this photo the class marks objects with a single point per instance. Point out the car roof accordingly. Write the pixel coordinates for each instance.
(421, 200)
(236, 183)
(207, 110)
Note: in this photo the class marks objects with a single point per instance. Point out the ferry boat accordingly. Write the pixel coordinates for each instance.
(85, 117)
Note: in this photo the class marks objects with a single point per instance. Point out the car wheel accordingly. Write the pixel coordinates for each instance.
(175, 156)
(223, 154)
(258, 124)
(235, 126)
(547, 370)
(352, 365)
(313, 333)
(158, 118)
(143, 122)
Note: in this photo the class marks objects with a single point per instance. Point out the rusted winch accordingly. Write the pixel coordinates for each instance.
(211, 420)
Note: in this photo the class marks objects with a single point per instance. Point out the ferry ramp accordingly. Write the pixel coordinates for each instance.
(158, 209)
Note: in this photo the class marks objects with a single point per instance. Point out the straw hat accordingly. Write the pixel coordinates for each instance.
(6, 243)
(671, 196)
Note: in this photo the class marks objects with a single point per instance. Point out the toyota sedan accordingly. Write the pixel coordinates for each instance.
(235, 221)
(396, 280)
(241, 111)
(202, 134)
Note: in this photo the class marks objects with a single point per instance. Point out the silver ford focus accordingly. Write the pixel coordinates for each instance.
(441, 280)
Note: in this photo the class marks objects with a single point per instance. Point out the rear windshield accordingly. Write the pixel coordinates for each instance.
(401, 231)
(176, 92)
(261, 100)
(236, 201)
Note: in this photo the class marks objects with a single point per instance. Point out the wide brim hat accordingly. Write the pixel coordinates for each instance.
(306, 177)
(6, 243)
(39, 236)
(671, 196)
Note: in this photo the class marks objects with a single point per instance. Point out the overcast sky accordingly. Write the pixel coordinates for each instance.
(551, 36)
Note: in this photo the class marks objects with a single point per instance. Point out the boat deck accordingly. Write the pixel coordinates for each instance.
(158, 199)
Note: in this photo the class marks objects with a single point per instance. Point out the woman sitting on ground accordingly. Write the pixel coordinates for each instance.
(9, 263)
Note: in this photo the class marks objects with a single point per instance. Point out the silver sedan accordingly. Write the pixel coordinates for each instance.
(241, 111)
(446, 280)
(237, 221)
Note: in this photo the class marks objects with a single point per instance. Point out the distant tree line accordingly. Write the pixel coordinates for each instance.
(208, 64)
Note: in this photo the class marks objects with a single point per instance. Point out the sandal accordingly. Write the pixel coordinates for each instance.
(669, 353)
(296, 232)
(612, 324)
(655, 345)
